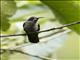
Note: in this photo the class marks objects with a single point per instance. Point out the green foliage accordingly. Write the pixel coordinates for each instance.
(60, 0)
(66, 11)
(8, 8)
(4, 23)
(70, 49)
(5, 56)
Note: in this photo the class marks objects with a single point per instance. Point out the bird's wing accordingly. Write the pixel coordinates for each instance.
(37, 27)
(28, 26)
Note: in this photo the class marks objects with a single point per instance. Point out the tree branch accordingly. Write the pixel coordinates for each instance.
(66, 25)
(61, 27)
(14, 50)
(60, 32)
(4, 50)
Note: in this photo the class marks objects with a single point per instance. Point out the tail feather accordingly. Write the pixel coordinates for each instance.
(33, 38)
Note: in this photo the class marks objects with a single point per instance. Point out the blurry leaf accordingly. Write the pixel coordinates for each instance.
(66, 11)
(8, 8)
(35, 2)
(70, 49)
(5, 55)
(4, 23)
(24, 7)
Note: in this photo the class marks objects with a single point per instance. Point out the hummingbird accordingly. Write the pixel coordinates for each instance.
(31, 27)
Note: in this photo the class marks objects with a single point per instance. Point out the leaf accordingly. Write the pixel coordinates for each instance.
(4, 23)
(66, 11)
(5, 55)
(8, 8)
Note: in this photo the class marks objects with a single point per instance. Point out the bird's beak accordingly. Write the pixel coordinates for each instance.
(40, 17)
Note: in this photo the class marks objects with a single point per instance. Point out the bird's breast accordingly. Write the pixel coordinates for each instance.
(30, 27)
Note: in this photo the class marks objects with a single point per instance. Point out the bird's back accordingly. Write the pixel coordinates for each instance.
(28, 26)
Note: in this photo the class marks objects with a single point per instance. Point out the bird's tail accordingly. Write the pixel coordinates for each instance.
(33, 37)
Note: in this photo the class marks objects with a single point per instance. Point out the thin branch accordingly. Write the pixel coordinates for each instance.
(13, 35)
(18, 51)
(51, 34)
(61, 27)
(25, 53)
(57, 33)
(14, 50)
(66, 25)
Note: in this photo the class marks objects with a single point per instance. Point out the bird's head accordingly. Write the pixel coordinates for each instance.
(35, 19)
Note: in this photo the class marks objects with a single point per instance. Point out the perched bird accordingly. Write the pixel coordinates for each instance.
(31, 27)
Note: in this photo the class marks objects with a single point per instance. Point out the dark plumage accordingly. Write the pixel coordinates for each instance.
(31, 26)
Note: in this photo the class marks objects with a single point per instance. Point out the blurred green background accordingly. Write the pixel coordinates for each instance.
(15, 12)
